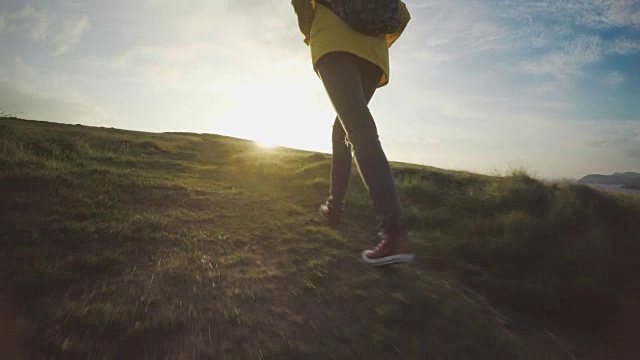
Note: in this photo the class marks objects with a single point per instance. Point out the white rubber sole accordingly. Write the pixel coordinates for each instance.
(393, 259)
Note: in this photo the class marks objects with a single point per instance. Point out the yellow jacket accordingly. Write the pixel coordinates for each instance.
(325, 32)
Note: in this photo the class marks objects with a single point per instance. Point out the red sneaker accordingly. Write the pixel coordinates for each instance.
(333, 215)
(393, 247)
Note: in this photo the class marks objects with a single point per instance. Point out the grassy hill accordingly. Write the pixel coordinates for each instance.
(140, 245)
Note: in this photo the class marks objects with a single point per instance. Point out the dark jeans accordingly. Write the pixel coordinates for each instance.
(350, 82)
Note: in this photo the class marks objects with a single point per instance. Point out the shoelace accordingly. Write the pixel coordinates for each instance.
(380, 245)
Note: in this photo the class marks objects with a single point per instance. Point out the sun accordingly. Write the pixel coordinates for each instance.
(265, 145)
(276, 113)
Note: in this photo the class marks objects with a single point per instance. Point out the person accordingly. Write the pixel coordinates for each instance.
(351, 66)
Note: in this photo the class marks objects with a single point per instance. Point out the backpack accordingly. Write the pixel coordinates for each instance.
(371, 17)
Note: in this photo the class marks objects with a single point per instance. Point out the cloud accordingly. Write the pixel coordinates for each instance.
(453, 28)
(69, 34)
(23, 71)
(611, 13)
(560, 38)
(42, 25)
(17, 100)
(44, 94)
(625, 46)
(614, 79)
(205, 40)
(600, 14)
(29, 21)
(153, 63)
(611, 134)
(566, 61)
(602, 142)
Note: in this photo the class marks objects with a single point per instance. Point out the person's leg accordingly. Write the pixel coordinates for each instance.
(340, 166)
(350, 82)
(341, 160)
(341, 150)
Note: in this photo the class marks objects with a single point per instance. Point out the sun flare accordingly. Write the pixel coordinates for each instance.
(265, 145)
(277, 113)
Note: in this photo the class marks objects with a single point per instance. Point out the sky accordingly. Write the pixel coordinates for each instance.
(488, 86)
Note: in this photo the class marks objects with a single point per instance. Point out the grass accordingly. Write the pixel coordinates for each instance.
(132, 245)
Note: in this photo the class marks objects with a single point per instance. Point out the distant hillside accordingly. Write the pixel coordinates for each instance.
(627, 180)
